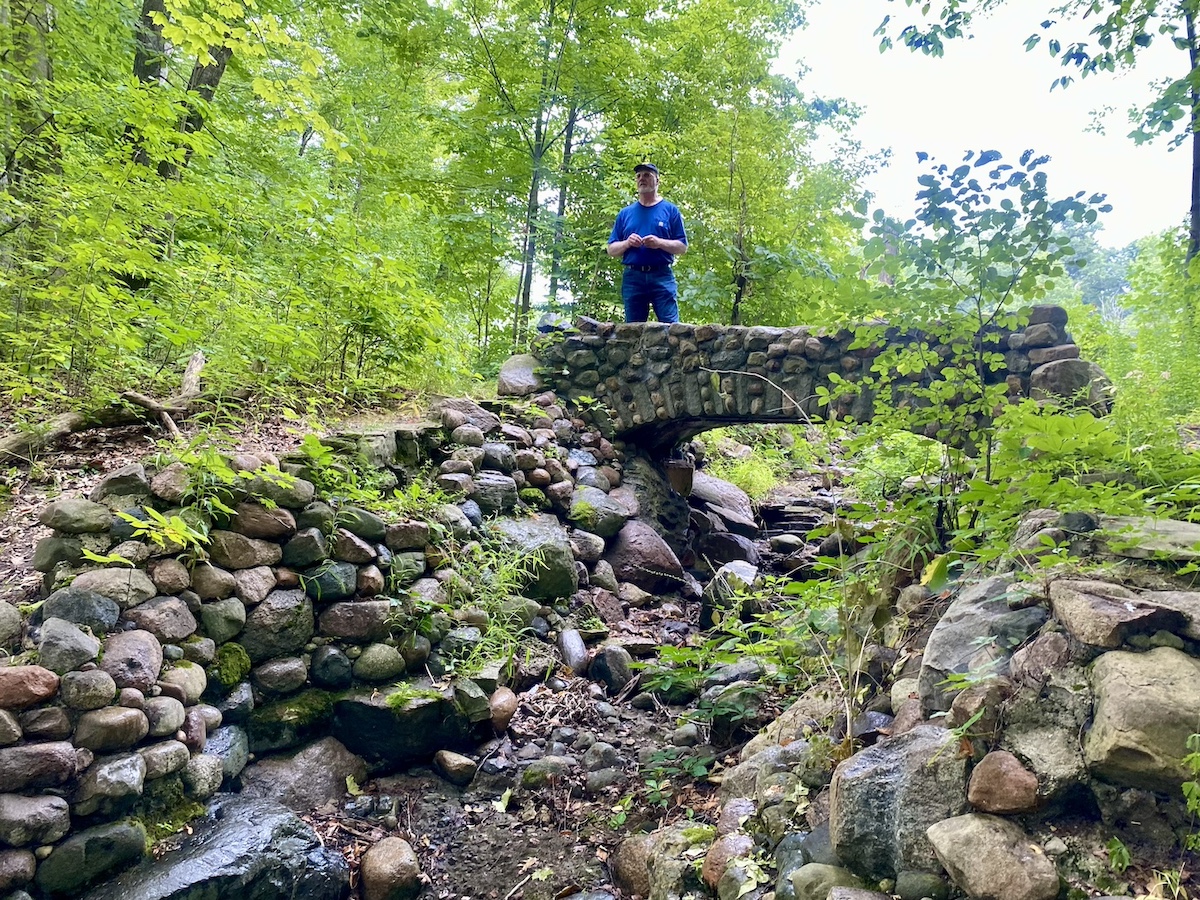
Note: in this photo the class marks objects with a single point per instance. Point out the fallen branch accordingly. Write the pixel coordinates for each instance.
(131, 408)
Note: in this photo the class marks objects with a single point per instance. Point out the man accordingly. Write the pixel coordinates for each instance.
(648, 235)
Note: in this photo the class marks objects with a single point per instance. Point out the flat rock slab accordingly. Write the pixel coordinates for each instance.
(245, 847)
(1105, 615)
(1138, 537)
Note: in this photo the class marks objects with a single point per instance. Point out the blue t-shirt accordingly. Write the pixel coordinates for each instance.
(662, 219)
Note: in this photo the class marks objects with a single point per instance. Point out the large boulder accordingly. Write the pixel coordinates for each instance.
(721, 494)
(91, 854)
(975, 638)
(1072, 382)
(993, 859)
(886, 796)
(1147, 704)
(641, 557)
(245, 847)
(518, 376)
(279, 626)
(555, 574)
(403, 730)
(314, 777)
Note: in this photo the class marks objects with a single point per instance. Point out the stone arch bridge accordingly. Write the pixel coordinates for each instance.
(658, 384)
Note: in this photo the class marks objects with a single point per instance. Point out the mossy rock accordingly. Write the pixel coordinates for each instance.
(291, 721)
(165, 809)
(231, 665)
(534, 498)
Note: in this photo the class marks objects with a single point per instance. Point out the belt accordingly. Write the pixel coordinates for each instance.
(649, 268)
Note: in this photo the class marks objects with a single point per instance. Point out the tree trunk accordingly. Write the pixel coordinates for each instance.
(564, 174)
(31, 146)
(204, 81)
(149, 63)
(1194, 96)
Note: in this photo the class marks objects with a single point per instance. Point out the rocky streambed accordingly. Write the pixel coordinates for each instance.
(321, 700)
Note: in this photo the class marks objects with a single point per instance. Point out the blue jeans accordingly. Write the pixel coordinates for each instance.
(641, 290)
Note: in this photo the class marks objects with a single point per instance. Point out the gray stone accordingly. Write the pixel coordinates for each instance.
(10, 728)
(975, 638)
(50, 723)
(87, 690)
(362, 621)
(595, 511)
(993, 859)
(313, 778)
(306, 548)
(10, 624)
(76, 516)
(365, 524)
(212, 583)
(109, 785)
(111, 728)
(223, 620)
(257, 521)
(1105, 615)
(170, 576)
(63, 646)
(246, 847)
(280, 625)
(167, 618)
(613, 666)
(164, 759)
(1042, 725)
(91, 854)
(731, 580)
(130, 479)
(189, 678)
(886, 796)
(331, 668)
(32, 766)
(574, 651)
(33, 820)
(1065, 380)
(127, 587)
(330, 581)
(231, 745)
(555, 575)
(236, 551)
(454, 767)
(379, 662)
(494, 492)
(83, 607)
(518, 376)
(133, 659)
(587, 547)
(254, 585)
(815, 881)
(164, 715)
(202, 776)
(281, 676)
(282, 490)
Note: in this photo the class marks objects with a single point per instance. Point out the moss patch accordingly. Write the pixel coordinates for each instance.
(232, 664)
(165, 809)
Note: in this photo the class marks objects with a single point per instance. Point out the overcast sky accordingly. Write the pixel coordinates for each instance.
(989, 94)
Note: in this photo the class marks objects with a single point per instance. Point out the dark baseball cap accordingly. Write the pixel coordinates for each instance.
(645, 167)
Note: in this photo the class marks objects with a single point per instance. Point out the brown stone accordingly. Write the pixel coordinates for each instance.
(22, 686)
(390, 871)
(734, 814)
(16, 869)
(36, 765)
(1000, 784)
(256, 521)
(111, 728)
(503, 704)
(236, 551)
(725, 849)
